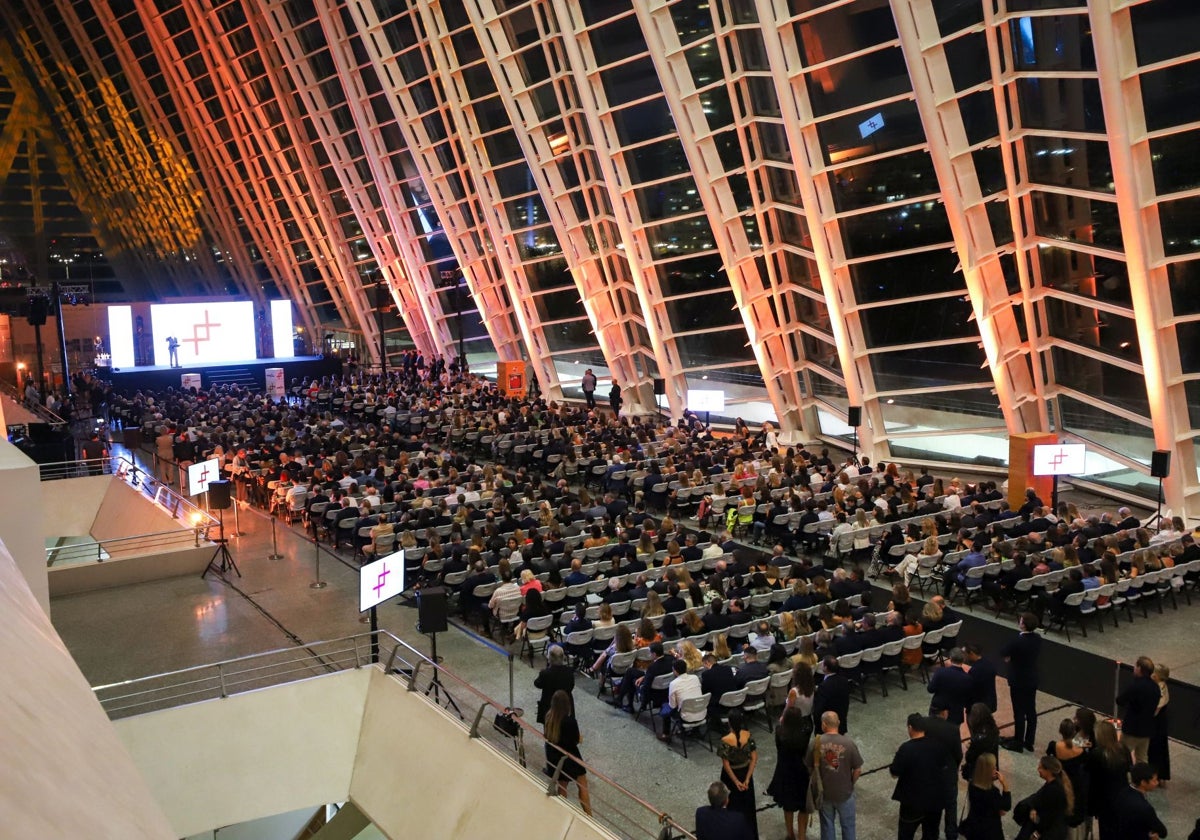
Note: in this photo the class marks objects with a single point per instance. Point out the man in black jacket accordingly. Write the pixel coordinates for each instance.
(945, 733)
(833, 694)
(716, 681)
(1136, 817)
(951, 688)
(1138, 703)
(557, 676)
(983, 677)
(1022, 654)
(919, 760)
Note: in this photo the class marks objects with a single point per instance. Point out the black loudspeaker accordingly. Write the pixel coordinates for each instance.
(218, 494)
(854, 416)
(39, 308)
(660, 387)
(1160, 463)
(432, 610)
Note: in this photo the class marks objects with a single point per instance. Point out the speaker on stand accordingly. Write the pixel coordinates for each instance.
(433, 613)
(218, 499)
(1160, 468)
(854, 420)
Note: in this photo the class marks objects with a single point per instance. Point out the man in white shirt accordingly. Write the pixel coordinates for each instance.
(685, 686)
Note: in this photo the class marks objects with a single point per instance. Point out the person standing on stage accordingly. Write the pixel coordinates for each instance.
(614, 398)
(588, 384)
(173, 350)
(1022, 654)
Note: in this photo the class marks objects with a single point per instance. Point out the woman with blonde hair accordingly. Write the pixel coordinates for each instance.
(605, 616)
(692, 623)
(1044, 813)
(653, 606)
(691, 656)
(721, 647)
(806, 653)
(787, 626)
(988, 799)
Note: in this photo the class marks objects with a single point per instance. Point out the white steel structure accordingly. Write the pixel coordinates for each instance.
(970, 217)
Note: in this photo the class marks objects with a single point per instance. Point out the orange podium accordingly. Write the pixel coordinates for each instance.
(510, 377)
(1020, 467)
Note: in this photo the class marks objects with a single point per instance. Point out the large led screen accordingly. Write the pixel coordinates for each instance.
(120, 336)
(207, 332)
(281, 329)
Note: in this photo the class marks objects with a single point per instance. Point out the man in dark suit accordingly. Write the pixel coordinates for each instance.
(1138, 703)
(716, 822)
(659, 665)
(917, 762)
(1136, 817)
(983, 677)
(716, 681)
(1022, 654)
(751, 668)
(557, 676)
(945, 733)
(951, 688)
(716, 619)
(833, 694)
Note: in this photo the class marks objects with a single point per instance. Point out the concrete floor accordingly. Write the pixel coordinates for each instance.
(150, 628)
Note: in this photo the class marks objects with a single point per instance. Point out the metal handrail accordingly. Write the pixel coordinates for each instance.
(404, 662)
(97, 549)
(199, 522)
(37, 408)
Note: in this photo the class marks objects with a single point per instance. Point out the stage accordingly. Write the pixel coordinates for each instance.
(248, 373)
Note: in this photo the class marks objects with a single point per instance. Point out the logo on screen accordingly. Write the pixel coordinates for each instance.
(197, 338)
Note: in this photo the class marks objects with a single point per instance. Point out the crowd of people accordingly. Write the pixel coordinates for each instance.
(495, 493)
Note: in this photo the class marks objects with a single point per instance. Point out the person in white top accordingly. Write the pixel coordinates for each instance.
(685, 686)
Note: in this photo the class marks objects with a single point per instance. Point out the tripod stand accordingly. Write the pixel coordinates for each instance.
(435, 684)
(222, 553)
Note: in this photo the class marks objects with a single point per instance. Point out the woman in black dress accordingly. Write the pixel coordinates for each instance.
(1158, 753)
(789, 785)
(988, 799)
(1108, 772)
(739, 755)
(1074, 759)
(1044, 813)
(985, 738)
(562, 739)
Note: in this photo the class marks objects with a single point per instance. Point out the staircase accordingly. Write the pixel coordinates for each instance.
(246, 377)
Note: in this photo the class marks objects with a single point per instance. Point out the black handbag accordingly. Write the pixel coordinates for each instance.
(506, 722)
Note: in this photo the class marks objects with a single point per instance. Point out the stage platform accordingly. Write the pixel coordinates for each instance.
(249, 373)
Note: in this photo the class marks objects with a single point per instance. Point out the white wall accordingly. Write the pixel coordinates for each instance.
(353, 735)
(71, 505)
(279, 827)
(417, 774)
(252, 755)
(65, 773)
(126, 512)
(21, 511)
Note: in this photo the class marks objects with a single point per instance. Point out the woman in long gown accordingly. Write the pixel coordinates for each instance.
(988, 799)
(563, 739)
(789, 784)
(739, 755)
(1158, 753)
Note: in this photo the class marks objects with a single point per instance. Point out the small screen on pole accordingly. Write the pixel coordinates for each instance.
(1059, 459)
(380, 580)
(199, 475)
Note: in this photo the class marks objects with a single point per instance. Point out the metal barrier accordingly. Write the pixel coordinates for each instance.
(613, 806)
(198, 523)
(101, 550)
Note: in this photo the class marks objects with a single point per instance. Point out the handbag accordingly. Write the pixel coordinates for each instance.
(506, 722)
(816, 791)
